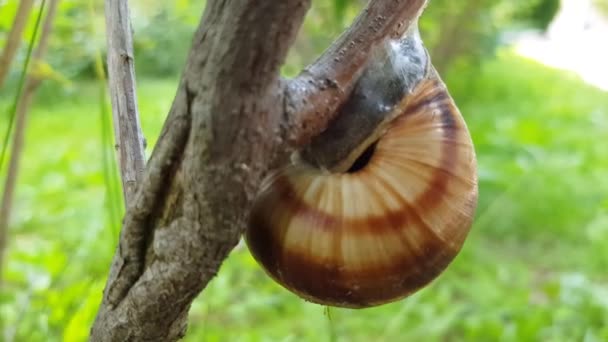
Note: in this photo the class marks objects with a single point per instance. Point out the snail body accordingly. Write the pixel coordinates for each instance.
(382, 227)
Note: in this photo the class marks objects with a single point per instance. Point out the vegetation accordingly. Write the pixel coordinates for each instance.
(532, 269)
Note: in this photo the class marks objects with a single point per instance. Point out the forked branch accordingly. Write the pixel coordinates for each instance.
(226, 129)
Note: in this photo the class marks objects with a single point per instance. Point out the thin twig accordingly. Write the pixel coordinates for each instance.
(121, 74)
(21, 83)
(13, 39)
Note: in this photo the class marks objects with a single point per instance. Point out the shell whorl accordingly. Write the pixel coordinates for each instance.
(377, 234)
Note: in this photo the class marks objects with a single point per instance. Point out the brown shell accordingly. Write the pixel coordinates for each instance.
(378, 234)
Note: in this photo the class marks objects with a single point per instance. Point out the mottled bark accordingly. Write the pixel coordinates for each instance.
(121, 70)
(233, 119)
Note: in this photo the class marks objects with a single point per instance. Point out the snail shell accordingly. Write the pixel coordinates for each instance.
(383, 229)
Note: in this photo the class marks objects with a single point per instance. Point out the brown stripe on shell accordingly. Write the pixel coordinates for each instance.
(327, 282)
(428, 200)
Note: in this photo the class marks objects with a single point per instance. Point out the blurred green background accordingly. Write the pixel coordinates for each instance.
(533, 269)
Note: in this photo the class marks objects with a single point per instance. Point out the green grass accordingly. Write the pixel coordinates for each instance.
(533, 268)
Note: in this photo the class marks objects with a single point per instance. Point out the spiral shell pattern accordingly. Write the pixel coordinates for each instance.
(378, 234)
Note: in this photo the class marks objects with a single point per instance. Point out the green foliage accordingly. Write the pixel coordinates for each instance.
(74, 41)
(162, 32)
(454, 31)
(533, 268)
(540, 13)
(162, 35)
(459, 32)
(12, 112)
(534, 265)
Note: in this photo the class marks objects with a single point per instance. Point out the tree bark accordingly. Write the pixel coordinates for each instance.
(233, 120)
(29, 88)
(121, 72)
(13, 39)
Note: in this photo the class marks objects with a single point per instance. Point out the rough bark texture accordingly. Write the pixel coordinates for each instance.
(121, 71)
(14, 38)
(29, 88)
(233, 119)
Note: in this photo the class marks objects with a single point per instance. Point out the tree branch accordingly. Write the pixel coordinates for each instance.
(121, 72)
(188, 212)
(224, 132)
(314, 96)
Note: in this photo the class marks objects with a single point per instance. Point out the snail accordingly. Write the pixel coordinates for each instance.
(380, 203)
